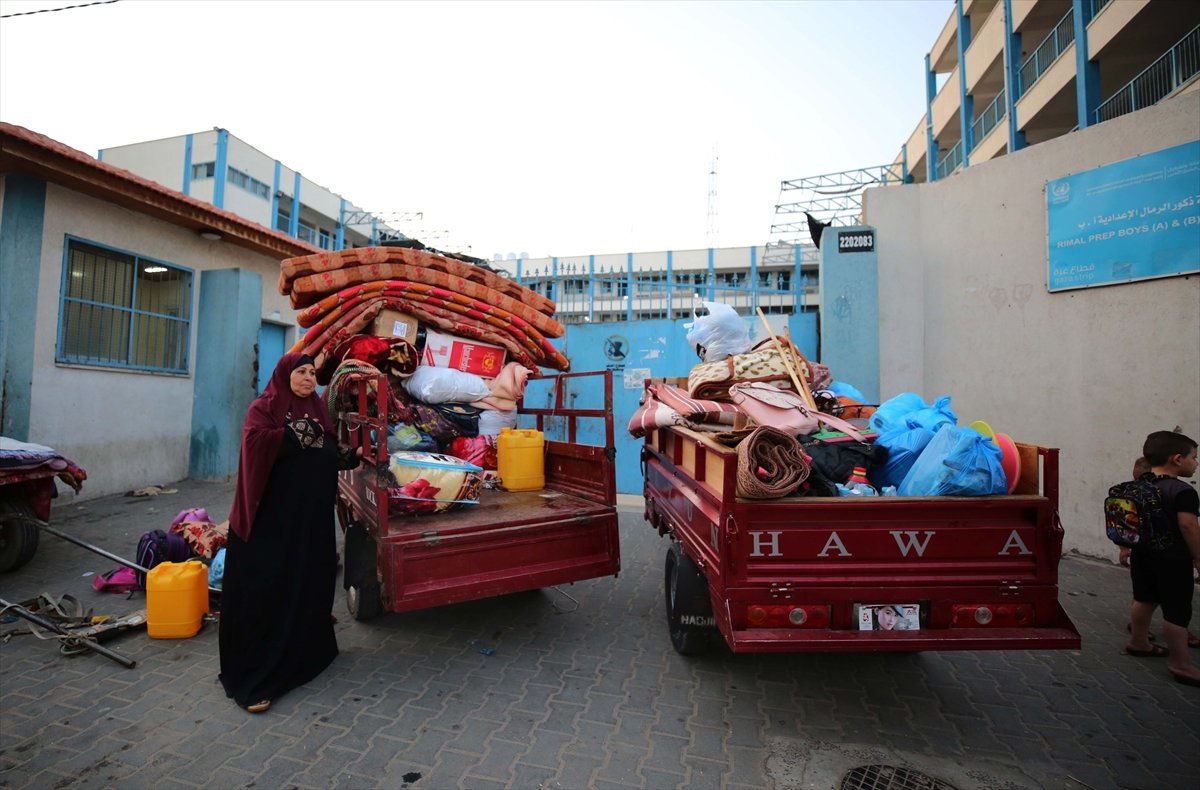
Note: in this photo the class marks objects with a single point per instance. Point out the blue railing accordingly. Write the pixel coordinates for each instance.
(988, 120)
(1176, 66)
(1047, 52)
(1097, 5)
(950, 161)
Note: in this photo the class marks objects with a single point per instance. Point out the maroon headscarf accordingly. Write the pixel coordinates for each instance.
(262, 437)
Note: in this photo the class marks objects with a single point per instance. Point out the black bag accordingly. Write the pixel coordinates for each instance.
(463, 416)
(158, 546)
(836, 460)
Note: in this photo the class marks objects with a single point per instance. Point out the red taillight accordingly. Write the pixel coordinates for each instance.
(1005, 615)
(788, 616)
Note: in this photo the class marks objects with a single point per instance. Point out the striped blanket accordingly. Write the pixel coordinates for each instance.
(308, 277)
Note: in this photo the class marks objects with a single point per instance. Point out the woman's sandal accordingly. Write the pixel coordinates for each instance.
(259, 707)
(1155, 651)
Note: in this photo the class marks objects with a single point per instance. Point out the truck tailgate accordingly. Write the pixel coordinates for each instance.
(507, 543)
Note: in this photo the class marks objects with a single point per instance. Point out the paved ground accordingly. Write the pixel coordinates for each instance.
(583, 691)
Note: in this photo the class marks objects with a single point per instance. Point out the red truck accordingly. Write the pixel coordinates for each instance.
(821, 574)
(509, 542)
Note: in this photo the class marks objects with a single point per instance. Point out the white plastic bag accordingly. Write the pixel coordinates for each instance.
(445, 385)
(718, 334)
(492, 421)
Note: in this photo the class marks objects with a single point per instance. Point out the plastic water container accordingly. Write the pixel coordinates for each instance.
(521, 460)
(176, 599)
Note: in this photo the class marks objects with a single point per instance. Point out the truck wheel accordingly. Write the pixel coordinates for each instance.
(359, 573)
(364, 602)
(18, 534)
(687, 594)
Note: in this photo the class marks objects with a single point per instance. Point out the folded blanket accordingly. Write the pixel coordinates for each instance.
(770, 464)
(355, 320)
(507, 388)
(441, 302)
(441, 270)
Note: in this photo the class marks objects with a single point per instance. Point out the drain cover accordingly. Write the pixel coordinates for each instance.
(891, 777)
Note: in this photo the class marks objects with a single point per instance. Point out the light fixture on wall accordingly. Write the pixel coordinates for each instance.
(210, 235)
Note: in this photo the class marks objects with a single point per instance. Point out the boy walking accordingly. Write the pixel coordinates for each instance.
(1163, 576)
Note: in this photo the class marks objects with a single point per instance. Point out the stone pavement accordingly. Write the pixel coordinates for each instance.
(583, 691)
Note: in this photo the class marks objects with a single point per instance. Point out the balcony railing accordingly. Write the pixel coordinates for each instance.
(1176, 66)
(950, 161)
(1047, 52)
(992, 115)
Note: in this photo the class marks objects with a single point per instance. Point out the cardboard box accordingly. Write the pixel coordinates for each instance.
(393, 323)
(460, 353)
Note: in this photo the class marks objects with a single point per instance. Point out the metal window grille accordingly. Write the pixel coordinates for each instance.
(121, 310)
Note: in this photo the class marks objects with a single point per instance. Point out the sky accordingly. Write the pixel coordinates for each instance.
(549, 128)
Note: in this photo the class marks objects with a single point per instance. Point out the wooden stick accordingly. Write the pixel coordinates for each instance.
(792, 350)
(801, 387)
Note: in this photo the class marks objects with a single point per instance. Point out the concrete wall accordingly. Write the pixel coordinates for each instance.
(158, 160)
(127, 429)
(964, 311)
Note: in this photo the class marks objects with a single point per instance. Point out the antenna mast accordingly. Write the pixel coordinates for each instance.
(712, 201)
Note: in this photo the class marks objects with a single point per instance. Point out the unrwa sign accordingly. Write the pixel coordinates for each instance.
(1136, 219)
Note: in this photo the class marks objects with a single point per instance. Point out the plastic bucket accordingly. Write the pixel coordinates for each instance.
(520, 460)
(176, 599)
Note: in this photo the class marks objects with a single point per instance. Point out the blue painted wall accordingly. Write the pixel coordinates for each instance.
(850, 313)
(270, 349)
(228, 323)
(21, 227)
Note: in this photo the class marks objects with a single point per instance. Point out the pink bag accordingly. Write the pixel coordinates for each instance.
(784, 409)
(118, 580)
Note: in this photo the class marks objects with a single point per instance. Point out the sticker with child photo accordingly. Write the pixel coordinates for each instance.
(889, 617)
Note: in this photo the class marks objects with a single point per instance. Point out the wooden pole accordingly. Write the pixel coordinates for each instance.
(800, 384)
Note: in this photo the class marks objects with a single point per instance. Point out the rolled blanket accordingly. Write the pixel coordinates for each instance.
(770, 464)
(442, 270)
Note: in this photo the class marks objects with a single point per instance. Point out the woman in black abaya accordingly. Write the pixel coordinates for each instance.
(281, 558)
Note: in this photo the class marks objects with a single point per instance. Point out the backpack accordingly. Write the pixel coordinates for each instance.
(1134, 514)
(118, 580)
(158, 546)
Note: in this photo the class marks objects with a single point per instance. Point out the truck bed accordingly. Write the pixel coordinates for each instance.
(833, 555)
(509, 541)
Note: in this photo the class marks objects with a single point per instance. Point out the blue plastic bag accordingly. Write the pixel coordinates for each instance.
(216, 569)
(911, 408)
(891, 413)
(904, 445)
(844, 390)
(956, 462)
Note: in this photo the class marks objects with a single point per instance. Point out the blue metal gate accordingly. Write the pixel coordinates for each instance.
(635, 351)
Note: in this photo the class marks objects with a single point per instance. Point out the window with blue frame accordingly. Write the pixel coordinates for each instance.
(326, 240)
(122, 310)
(204, 170)
(249, 183)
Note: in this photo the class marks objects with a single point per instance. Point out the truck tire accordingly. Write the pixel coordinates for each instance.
(18, 534)
(687, 595)
(364, 603)
(359, 573)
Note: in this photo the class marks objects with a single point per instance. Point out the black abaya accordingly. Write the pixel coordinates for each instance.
(277, 595)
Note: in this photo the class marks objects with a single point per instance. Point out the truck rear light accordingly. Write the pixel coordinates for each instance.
(995, 615)
(805, 615)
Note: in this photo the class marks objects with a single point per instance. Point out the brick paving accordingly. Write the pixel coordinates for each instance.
(582, 692)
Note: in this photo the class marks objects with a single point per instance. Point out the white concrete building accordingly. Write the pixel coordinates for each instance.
(1016, 73)
(225, 171)
(136, 323)
(638, 286)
